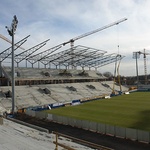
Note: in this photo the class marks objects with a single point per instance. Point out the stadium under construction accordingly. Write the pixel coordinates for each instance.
(63, 78)
(67, 70)
(37, 80)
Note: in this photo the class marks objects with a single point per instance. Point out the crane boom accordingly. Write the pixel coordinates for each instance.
(4, 38)
(94, 31)
(7, 40)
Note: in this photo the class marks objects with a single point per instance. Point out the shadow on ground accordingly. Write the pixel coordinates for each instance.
(144, 121)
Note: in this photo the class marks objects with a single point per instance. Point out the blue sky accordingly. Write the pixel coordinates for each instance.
(61, 20)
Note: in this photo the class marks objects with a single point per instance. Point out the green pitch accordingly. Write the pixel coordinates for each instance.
(131, 111)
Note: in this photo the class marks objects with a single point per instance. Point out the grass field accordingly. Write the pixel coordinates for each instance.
(132, 111)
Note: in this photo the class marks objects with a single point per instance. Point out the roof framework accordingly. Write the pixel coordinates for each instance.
(6, 53)
(77, 56)
(23, 55)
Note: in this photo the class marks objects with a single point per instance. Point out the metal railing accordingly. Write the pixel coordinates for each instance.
(82, 142)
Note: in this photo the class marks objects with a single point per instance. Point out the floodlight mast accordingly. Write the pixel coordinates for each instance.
(71, 41)
(11, 32)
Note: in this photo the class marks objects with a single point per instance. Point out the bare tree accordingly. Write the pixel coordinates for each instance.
(108, 74)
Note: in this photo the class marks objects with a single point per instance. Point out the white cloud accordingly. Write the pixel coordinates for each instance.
(61, 20)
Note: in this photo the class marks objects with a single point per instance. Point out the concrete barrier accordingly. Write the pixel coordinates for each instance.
(30, 113)
(40, 115)
(65, 120)
(85, 124)
(143, 136)
(93, 126)
(101, 128)
(128, 133)
(120, 131)
(131, 134)
(50, 117)
(79, 123)
(110, 129)
(72, 122)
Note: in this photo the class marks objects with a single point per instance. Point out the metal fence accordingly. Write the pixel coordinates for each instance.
(128, 133)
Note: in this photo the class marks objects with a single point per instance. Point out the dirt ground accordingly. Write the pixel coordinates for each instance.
(97, 138)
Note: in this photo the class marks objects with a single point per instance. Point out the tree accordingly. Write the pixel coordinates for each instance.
(108, 74)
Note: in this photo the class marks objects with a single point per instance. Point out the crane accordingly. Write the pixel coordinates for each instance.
(145, 66)
(71, 41)
(7, 40)
(117, 65)
(43, 55)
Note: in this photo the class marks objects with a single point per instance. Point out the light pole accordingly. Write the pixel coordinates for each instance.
(11, 32)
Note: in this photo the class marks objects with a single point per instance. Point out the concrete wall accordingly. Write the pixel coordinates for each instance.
(128, 133)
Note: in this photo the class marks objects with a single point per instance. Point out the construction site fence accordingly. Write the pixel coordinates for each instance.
(122, 132)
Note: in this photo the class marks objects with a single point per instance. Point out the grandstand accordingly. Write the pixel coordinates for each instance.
(45, 86)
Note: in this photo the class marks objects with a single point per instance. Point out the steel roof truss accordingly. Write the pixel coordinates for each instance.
(6, 53)
(21, 56)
